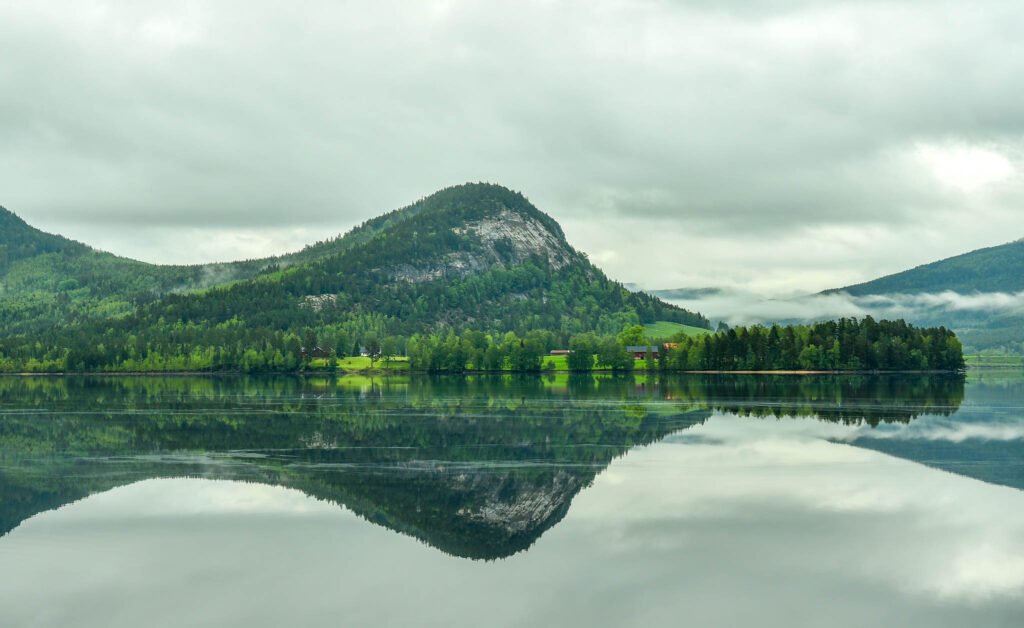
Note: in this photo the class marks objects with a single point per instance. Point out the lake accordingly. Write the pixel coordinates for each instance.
(501, 501)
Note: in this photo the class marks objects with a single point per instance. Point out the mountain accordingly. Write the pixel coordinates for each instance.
(474, 256)
(994, 269)
(975, 294)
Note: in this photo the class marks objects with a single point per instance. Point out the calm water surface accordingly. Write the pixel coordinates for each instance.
(714, 501)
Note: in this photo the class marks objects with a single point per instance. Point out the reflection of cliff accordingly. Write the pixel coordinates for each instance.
(470, 512)
(475, 467)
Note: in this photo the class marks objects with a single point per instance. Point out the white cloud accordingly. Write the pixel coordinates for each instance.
(967, 168)
(754, 144)
(743, 307)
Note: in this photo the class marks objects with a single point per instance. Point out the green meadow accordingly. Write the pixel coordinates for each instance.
(666, 329)
(994, 361)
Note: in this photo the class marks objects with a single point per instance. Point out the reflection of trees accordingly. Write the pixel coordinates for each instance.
(848, 399)
(477, 466)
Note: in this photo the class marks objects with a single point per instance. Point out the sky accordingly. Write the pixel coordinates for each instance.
(770, 146)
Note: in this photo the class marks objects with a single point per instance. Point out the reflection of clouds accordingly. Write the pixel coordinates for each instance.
(986, 569)
(779, 484)
(942, 430)
(926, 427)
(174, 497)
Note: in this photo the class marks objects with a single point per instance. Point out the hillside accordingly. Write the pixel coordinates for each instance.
(475, 256)
(993, 269)
(993, 323)
(48, 280)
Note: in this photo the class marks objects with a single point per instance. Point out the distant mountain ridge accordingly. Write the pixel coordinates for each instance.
(993, 269)
(985, 324)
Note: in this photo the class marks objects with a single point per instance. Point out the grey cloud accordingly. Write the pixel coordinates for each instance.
(727, 119)
(741, 307)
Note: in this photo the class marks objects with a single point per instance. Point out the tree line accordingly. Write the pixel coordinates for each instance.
(844, 345)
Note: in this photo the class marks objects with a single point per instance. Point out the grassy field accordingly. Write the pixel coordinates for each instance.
(359, 363)
(665, 329)
(557, 362)
(994, 361)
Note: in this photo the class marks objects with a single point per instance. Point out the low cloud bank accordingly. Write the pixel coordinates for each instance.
(739, 307)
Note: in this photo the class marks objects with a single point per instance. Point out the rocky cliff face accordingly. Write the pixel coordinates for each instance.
(505, 239)
(512, 236)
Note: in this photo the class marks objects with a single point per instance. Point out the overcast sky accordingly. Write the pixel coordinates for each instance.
(770, 145)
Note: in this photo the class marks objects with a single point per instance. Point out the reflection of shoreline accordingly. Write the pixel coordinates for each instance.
(799, 372)
(384, 373)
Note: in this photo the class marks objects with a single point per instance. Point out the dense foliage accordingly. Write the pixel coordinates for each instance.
(846, 344)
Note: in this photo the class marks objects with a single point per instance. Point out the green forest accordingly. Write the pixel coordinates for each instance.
(844, 345)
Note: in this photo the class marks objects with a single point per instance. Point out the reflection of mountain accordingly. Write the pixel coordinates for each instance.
(475, 467)
(984, 442)
(992, 461)
(477, 470)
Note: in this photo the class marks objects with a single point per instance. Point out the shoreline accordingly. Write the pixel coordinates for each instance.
(389, 373)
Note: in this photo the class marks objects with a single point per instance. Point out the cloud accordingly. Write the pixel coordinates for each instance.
(965, 167)
(744, 307)
(947, 300)
(709, 123)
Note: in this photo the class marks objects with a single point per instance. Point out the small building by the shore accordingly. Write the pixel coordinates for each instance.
(640, 351)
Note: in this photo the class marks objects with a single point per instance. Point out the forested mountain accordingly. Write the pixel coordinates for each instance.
(474, 256)
(990, 322)
(994, 269)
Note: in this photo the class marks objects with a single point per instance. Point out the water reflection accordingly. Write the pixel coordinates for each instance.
(475, 467)
(705, 500)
